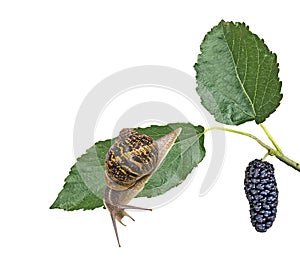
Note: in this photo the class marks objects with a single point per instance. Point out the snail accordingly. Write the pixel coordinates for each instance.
(130, 163)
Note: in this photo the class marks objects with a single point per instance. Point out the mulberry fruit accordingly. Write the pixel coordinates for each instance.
(262, 194)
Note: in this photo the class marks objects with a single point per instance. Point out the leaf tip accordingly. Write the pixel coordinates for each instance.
(53, 206)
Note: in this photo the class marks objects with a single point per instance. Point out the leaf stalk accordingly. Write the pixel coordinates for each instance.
(277, 152)
(271, 138)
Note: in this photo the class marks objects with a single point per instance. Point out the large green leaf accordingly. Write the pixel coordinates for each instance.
(84, 186)
(237, 75)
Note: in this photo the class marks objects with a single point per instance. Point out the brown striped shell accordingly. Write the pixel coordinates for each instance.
(133, 156)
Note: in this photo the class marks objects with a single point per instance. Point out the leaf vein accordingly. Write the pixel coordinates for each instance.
(237, 75)
(262, 104)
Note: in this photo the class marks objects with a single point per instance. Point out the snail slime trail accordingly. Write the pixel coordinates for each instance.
(130, 163)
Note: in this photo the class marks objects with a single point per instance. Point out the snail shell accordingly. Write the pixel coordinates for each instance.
(131, 157)
(130, 163)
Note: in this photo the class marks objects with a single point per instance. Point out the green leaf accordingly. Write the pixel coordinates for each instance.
(84, 186)
(237, 75)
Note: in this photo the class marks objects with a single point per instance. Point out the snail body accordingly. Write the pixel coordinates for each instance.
(130, 163)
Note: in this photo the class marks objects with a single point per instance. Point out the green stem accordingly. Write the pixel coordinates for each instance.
(265, 156)
(270, 137)
(277, 153)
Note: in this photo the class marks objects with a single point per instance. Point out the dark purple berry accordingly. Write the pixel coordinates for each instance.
(262, 194)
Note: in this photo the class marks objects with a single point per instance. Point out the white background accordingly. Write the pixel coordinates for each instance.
(52, 53)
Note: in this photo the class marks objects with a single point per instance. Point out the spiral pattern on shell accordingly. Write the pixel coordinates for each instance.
(131, 157)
